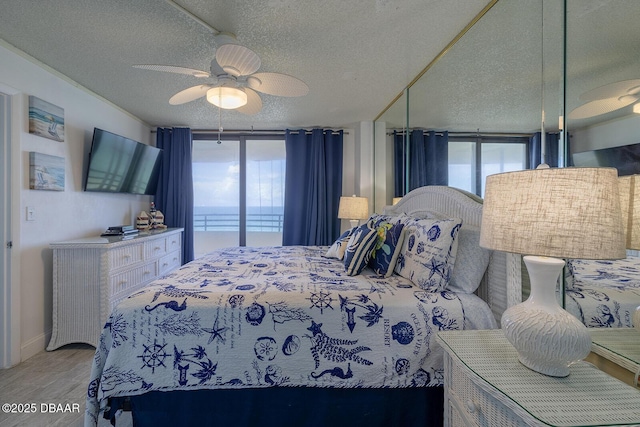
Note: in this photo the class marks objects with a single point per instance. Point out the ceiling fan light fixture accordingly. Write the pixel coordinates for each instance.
(228, 98)
(636, 108)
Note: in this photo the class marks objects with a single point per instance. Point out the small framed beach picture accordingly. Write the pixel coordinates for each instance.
(46, 172)
(45, 119)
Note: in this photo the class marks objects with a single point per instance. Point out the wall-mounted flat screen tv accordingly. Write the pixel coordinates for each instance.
(121, 165)
(625, 158)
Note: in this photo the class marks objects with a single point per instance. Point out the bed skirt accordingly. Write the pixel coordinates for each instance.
(286, 406)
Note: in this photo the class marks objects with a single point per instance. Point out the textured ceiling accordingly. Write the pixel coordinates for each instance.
(492, 79)
(355, 56)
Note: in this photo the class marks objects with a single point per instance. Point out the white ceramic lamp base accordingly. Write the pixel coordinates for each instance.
(547, 338)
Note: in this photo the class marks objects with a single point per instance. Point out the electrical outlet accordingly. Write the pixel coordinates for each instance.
(31, 213)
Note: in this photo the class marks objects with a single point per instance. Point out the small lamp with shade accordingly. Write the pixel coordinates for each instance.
(354, 209)
(547, 214)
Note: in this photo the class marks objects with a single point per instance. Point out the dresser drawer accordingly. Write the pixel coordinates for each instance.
(124, 256)
(174, 242)
(132, 279)
(475, 406)
(155, 248)
(169, 262)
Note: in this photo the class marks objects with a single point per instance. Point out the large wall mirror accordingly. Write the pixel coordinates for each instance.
(602, 90)
(522, 67)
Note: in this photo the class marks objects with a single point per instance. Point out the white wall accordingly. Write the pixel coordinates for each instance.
(58, 215)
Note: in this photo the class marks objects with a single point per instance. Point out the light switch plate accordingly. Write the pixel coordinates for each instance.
(31, 213)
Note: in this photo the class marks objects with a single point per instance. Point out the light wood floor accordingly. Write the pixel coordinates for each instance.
(57, 377)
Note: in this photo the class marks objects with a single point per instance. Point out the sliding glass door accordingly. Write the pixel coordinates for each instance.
(238, 192)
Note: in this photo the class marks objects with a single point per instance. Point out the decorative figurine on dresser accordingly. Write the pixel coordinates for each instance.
(154, 220)
(91, 275)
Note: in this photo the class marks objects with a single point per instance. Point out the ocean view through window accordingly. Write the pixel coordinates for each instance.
(238, 193)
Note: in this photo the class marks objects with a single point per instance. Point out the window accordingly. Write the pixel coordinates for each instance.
(471, 160)
(238, 192)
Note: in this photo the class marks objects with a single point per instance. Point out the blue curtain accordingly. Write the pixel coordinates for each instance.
(174, 196)
(428, 158)
(551, 149)
(313, 186)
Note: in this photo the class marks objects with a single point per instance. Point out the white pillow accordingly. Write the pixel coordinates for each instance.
(471, 261)
(428, 252)
(339, 246)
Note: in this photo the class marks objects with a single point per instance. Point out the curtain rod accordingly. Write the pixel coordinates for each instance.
(472, 134)
(253, 131)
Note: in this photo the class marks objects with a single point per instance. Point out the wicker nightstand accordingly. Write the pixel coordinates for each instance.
(485, 385)
(616, 351)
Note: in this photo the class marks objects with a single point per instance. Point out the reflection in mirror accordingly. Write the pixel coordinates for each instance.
(602, 92)
(499, 84)
(487, 92)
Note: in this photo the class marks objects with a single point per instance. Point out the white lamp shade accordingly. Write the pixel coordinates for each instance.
(227, 97)
(353, 208)
(554, 212)
(396, 200)
(629, 187)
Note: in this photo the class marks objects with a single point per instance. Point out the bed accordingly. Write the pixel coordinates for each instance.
(306, 335)
(603, 293)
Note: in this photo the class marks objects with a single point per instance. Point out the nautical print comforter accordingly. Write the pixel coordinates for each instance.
(265, 317)
(604, 294)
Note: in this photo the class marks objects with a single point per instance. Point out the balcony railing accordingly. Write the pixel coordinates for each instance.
(231, 222)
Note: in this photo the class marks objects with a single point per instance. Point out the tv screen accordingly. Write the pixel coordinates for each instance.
(121, 165)
(625, 158)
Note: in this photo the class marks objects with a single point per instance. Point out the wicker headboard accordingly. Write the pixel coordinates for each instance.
(449, 202)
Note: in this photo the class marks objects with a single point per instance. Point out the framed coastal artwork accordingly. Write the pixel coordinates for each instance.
(46, 119)
(46, 172)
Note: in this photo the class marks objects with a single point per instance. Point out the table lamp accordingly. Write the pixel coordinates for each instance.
(547, 214)
(354, 209)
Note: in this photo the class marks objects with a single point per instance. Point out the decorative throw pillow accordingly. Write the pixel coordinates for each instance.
(387, 247)
(339, 246)
(359, 249)
(471, 261)
(376, 219)
(428, 252)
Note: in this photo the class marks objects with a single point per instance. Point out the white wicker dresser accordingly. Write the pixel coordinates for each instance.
(90, 276)
(486, 385)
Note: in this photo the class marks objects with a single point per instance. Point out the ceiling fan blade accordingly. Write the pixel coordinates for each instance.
(190, 94)
(237, 60)
(174, 69)
(602, 106)
(277, 84)
(611, 90)
(253, 105)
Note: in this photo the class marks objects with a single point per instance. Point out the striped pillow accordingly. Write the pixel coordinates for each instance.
(358, 253)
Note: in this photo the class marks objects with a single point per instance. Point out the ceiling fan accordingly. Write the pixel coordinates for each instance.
(232, 80)
(607, 98)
